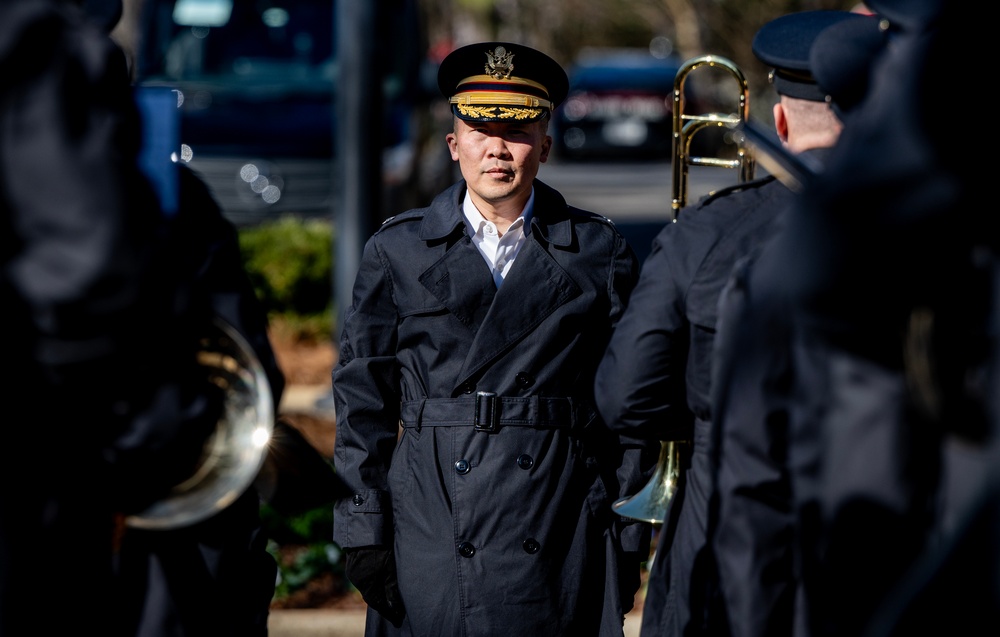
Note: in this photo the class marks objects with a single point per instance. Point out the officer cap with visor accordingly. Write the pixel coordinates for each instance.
(501, 82)
(784, 44)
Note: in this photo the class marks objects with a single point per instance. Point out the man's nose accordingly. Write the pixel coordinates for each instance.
(498, 147)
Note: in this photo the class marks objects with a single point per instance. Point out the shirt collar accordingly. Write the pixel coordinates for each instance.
(474, 219)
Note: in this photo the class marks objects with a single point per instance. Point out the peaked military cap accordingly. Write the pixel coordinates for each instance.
(841, 59)
(784, 44)
(501, 82)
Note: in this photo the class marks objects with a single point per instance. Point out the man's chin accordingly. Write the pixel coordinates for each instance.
(496, 192)
(499, 187)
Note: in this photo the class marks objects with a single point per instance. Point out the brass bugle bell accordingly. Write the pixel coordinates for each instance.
(235, 451)
(650, 504)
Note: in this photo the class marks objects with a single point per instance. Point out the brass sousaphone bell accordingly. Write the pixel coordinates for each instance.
(235, 452)
(650, 504)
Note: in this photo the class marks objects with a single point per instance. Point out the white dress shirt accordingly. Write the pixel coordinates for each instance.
(499, 252)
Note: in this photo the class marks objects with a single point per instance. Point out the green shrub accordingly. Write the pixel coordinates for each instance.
(315, 525)
(303, 547)
(290, 263)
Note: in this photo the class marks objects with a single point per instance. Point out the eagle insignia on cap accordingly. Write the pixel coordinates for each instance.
(499, 63)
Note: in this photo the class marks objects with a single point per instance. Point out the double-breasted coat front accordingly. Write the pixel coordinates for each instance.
(496, 493)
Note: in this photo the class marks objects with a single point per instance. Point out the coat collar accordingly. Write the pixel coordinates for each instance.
(550, 220)
(460, 280)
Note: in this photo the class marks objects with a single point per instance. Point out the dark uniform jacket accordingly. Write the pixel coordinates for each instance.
(654, 380)
(752, 379)
(499, 504)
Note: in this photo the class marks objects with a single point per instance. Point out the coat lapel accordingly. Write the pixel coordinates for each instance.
(461, 281)
(535, 287)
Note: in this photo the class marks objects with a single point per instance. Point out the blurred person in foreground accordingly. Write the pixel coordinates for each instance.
(476, 324)
(107, 405)
(214, 577)
(112, 294)
(890, 263)
(655, 378)
(754, 530)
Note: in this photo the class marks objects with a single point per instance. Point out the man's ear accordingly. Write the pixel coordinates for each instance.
(546, 148)
(780, 122)
(452, 141)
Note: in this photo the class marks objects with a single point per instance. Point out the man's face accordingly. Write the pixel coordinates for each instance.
(499, 160)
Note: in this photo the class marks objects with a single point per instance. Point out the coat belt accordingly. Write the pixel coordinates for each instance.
(486, 411)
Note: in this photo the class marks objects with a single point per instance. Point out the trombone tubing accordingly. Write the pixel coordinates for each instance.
(686, 125)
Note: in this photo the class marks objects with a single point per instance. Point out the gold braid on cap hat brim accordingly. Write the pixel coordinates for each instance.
(506, 107)
(500, 104)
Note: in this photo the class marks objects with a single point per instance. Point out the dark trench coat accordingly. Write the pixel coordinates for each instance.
(508, 531)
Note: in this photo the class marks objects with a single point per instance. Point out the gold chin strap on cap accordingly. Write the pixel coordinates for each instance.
(505, 103)
(499, 99)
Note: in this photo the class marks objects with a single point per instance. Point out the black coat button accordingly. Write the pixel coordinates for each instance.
(525, 461)
(524, 380)
(531, 546)
(358, 500)
(466, 549)
(466, 388)
(462, 466)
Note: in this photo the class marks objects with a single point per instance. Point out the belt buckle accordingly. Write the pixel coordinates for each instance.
(487, 412)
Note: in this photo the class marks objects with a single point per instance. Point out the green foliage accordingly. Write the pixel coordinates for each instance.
(290, 263)
(315, 525)
(304, 565)
(302, 545)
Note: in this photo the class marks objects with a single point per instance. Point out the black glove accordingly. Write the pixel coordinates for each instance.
(372, 570)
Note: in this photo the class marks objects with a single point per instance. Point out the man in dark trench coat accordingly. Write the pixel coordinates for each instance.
(476, 325)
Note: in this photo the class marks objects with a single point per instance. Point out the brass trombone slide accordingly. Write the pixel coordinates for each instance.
(686, 125)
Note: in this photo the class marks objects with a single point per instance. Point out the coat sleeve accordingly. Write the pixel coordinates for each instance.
(638, 457)
(639, 386)
(367, 399)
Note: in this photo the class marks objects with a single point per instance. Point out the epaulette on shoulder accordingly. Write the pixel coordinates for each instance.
(409, 215)
(738, 187)
(591, 215)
